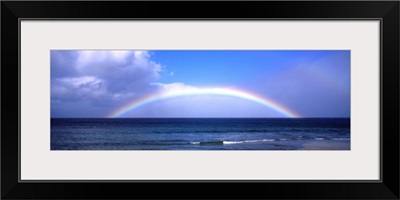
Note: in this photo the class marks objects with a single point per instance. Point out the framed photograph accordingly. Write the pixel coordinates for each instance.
(299, 98)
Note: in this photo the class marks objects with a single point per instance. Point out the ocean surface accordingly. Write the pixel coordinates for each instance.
(200, 134)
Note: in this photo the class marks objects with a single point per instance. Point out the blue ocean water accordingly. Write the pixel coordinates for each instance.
(200, 134)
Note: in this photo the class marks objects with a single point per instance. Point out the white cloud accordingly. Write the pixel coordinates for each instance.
(116, 63)
(78, 88)
(173, 87)
(102, 75)
(79, 81)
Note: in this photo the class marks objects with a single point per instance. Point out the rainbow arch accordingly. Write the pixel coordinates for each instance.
(203, 91)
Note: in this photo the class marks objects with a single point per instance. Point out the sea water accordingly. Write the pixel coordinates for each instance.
(200, 134)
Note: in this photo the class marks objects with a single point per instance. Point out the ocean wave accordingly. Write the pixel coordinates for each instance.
(194, 142)
(233, 142)
(220, 142)
(202, 131)
(340, 138)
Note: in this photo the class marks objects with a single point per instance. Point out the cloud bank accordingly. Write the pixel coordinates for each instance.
(101, 78)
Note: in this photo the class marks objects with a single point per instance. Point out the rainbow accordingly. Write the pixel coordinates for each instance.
(203, 91)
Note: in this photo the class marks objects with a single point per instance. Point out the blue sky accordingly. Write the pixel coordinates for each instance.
(96, 83)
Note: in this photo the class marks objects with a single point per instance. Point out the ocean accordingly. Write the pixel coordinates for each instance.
(200, 134)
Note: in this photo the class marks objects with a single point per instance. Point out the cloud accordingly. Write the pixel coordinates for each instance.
(172, 87)
(78, 88)
(101, 77)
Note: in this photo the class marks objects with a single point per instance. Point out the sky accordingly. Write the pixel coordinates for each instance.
(200, 83)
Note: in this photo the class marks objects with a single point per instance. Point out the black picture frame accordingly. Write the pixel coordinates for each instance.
(386, 11)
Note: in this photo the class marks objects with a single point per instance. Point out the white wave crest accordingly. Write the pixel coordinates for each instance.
(233, 142)
(194, 142)
(248, 141)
